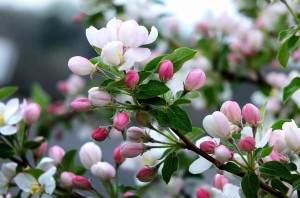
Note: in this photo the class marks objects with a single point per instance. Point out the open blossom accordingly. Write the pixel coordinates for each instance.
(292, 136)
(35, 188)
(11, 114)
(8, 171)
(120, 42)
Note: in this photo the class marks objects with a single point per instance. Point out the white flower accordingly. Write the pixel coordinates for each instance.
(4, 182)
(10, 115)
(34, 188)
(8, 171)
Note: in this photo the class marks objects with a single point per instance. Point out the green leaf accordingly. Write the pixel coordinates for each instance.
(157, 101)
(250, 185)
(192, 94)
(39, 96)
(278, 185)
(6, 151)
(33, 144)
(154, 63)
(196, 132)
(36, 173)
(278, 125)
(182, 101)
(233, 168)
(179, 119)
(166, 152)
(106, 82)
(119, 83)
(286, 34)
(266, 151)
(67, 162)
(161, 117)
(285, 50)
(291, 167)
(143, 76)
(296, 185)
(180, 56)
(151, 89)
(275, 168)
(7, 91)
(291, 88)
(112, 70)
(170, 166)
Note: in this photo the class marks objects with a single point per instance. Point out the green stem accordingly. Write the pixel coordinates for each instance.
(151, 147)
(239, 152)
(173, 140)
(96, 193)
(291, 11)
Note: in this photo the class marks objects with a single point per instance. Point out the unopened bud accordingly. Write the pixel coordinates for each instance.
(89, 154)
(132, 78)
(146, 174)
(232, 111)
(251, 114)
(103, 170)
(56, 153)
(42, 149)
(32, 113)
(222, 153)
(66, 179)
(208, 146)
(195, 80)
(202, 193)
(81, 104)
(100, 134)
(81, 183)
(128, 194)
(118, 158)
(219, 181)
(131, 150)
(121, 121)
(81, 66)
(99, 97)
(136, 134)
(166, 70)
(247, 144)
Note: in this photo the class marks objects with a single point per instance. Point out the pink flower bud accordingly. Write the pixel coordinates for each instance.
(81, 104)
(247, 144)
(90, 154)
(132, 78)
(32, 113)
(121, 121)
(217, 125)
(66, 179)
(128, 194)
(274, 156)
(232, 111)
(251, 114)
(81, 66)
(56, 153)
(219, 181)
(81, 183)
(194, 80)
(146, 174)
(131, 150)
(42, 149)
(118, 158)
(103, 170)
(202, 193)
(136, 134)
(208, 146)
(100, 134)
(222, 153)
(166, 70)
(63, 87)
(99, 97)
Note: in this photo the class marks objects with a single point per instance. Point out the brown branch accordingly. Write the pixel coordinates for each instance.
(192, 147)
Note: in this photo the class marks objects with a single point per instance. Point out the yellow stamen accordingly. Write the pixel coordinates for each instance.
(120, 55)
(27, 168)
(149, 160)
(2, 120)
(35, 188)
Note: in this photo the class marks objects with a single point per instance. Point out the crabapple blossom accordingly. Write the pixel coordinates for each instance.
(81, 183)
(90, 154)
(81, 66)
(166, 70)
(194, 80)
(66, 179)
(131, 150)
(247, 144)
(202, 193)
(208, 146)
(232, 111)
(132, 78)
(81, 104)
(99, 97)
(251, 114)
(220, 181)
(121, 121)
(277, 140)
(292, 136)
(100, 134)
(56, 153)
(222, 153)
(32, 113)
(42, 149)
(103, 170)
(146, 174)
(118, 158)
(136, 134)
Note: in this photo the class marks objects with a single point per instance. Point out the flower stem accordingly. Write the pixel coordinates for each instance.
(291, 11)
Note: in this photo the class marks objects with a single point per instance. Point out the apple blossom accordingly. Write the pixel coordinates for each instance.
(194, 80)
(81, 104)
(247, 144)
(132, 78)
(66, 179)
(121, 121)
(118, 158)
(232, 111)
(166, 70)
(42, 149)
(146, 174)
(103, 170)
(128, 194)
(277, 140)
(81, 183)
(251, 114)
(99, 97)
(81, 66)
(136, 134)
(222, 153)
(202, 193)
(90, 154)
(220, 181)
(208, 146)
(131, 150)
(56, 153)
(32, 113)
(292, 136)
(100, 134)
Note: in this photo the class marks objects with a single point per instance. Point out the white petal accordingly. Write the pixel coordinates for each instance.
(11, 107)
(113, 27)
(2, 108)
(102, 38)
(152, 36)
(205, 138)
(15, 118)
(231, 191)
(199, 166)
(50, 186)
(216, 193)
(24, 181)
(126, 65)
(261, 143)
(8, 130)
(45, 164)
(247, 131)
(91, 35)
(3, 184)
(112, 53)
(141, 36)
(128, 32)
(137, 54)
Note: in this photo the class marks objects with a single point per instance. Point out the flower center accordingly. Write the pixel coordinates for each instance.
(2, 120)
(120, 55)
(35, 188)
(149, 160)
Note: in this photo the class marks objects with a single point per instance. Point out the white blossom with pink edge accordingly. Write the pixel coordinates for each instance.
(11, 114)
(120, 42)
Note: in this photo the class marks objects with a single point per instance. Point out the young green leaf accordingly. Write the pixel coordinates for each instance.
(179, 119)
(39, 96)
(7, 91)
(278, 124)
(170, 166)
(151, 89)
(153, 64)
(233, 168)
(195, 133)
(161, 117)
(290, 89)
(276, 169)
(250, 185)
(266, 151)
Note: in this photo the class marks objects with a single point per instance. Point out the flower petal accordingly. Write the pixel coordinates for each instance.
(24, 181)
(128, 32)
(3, 184)
(231, 191)
(264, 140)
(199, 166)
(45, 164)
(15, 118)
(91, 35)
(112, 53)
(113, 27)
(8, 130)
(137, 54)
(11, 107)
(152, 36)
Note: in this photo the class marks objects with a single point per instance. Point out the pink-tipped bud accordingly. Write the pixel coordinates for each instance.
(208, 146)
(81, 66)
(100, 134)
(42, 149)
(202, 193)
(81, 183)
(89, 154)
(131, 150)
(146, 174)
(251, 114)
(99, 97)
(194, 80)
(136, 134)
(66, 179)
(103, 170)
(247, 144)
(118, 158)
(56, 153)
(128, 194)
(132, 78)
(232, 111)
(81, 104)
(32, 113)
(166, 70)
(121, 121)
(222, 153)
(219, 181)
